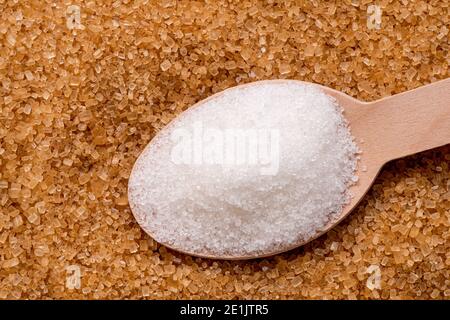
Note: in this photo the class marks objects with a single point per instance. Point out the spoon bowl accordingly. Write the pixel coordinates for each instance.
(384, 130)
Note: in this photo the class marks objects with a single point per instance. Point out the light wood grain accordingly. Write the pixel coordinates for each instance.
(394, 127)
(386, 129)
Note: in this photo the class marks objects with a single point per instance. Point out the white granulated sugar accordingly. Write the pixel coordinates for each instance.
(287, 178)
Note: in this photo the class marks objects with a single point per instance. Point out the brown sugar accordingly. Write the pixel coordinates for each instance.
(80, 99)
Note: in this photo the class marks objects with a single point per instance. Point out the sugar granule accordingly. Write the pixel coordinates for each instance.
(219, 209)
(135, 41)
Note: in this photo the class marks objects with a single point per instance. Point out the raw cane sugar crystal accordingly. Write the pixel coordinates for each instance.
(127, 95)
(251, 170)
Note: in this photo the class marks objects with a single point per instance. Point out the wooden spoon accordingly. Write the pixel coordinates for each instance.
(386, 129)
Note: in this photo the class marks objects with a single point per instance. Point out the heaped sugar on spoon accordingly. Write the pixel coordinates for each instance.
(265, 167)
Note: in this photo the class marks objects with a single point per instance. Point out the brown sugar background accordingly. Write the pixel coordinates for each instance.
(77, 107)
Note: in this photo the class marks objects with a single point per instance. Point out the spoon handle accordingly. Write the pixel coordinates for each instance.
(410, 122)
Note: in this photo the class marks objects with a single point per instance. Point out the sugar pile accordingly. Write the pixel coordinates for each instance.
(285, 190)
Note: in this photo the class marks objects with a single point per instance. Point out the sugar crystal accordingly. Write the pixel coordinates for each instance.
(210, 206)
